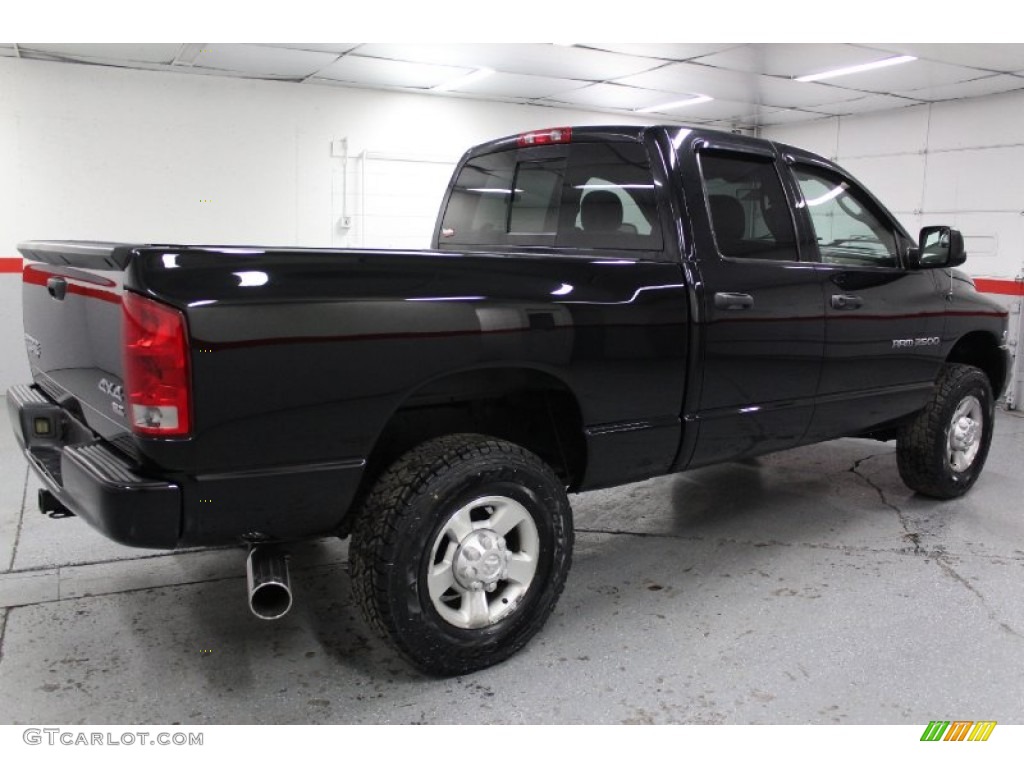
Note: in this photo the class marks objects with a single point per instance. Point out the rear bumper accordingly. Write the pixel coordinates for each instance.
(91, 479)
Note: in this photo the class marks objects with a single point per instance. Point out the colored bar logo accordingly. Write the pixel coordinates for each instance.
(958, 730)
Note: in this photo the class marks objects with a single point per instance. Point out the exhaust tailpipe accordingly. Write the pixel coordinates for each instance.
(270, 591)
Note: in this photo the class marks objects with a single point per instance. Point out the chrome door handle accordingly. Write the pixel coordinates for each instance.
(844, 301)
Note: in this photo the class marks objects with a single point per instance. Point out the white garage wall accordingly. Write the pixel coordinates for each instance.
(958, 163)
(99, 153)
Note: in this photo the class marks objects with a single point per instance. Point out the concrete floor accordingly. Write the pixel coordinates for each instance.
(806, 587)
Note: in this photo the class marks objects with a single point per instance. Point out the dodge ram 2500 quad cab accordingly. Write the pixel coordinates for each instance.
(601, 305)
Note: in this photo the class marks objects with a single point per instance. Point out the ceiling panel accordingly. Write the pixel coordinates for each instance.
(520, 86)
(542, 59)
(152, 53)
(791, 59)
(624, 97)
(262, 61)
(359, 70)
(999, 57)
(780, 92)
(906, 77)
(670, 51)
(737, 86)
(716, 110)
(338, 48)
(980, 87)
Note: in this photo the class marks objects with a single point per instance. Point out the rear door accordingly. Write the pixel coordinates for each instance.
(883, 322)
(763, 333)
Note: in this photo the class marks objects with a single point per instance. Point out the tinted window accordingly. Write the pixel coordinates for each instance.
(477, 210)
(749, 212)
(847, 229)
(535, 198)
(601, 195)
(609, 199)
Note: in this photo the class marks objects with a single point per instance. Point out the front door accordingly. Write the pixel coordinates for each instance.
(883, 322)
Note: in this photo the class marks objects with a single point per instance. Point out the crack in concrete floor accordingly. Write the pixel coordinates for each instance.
(942, 558)
(3, 630)
(21, 520)
(912, 537)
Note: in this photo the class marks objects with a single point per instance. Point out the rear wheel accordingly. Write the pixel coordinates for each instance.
(460, 552)
(942, 450)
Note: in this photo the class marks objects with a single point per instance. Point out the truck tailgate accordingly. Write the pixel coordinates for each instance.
(71, 297)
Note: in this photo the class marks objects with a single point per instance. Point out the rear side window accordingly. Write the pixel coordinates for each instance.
(749, 212)
(609, 199)
(592, 196)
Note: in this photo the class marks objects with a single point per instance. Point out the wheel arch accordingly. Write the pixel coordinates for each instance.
(524, 405)
(982, 350)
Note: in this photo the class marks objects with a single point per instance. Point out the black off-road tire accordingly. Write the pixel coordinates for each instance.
(404, 523)
(923, 450)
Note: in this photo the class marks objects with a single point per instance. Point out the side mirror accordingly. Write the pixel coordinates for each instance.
(938, 247)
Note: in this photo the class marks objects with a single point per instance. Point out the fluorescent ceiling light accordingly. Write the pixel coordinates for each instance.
(459, 82)
(676, 104)
(857, 68)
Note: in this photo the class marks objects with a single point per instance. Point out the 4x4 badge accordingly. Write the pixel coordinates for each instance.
(115, 391)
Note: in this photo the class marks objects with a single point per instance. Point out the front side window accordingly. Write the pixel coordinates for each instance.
(750, 215)
(847, 229)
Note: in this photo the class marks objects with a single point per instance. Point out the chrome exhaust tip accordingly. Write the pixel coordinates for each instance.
(270, 591)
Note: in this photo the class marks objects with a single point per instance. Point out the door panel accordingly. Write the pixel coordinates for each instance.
(763, 320)
(883, 323)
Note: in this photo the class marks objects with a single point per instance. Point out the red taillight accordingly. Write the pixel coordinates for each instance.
(156, 376)
(548, 136)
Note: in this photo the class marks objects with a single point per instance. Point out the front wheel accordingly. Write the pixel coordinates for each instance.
(941, 451)
(461, 551)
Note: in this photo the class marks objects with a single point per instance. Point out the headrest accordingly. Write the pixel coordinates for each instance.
(601, 211)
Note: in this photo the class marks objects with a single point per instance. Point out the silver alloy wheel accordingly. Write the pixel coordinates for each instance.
(483, 562)
(965, 434)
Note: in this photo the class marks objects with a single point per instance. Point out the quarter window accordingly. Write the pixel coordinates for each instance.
(845, 224)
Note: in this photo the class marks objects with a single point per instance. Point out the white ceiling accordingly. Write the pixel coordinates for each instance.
(751, 85)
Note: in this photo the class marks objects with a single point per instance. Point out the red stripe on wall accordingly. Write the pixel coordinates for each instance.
(1004, 287)
(10, 265)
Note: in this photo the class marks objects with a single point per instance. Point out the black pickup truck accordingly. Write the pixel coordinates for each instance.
(601, 305)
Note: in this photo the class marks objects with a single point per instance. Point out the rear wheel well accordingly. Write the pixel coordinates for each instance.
(527, 407)
(981, 350)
